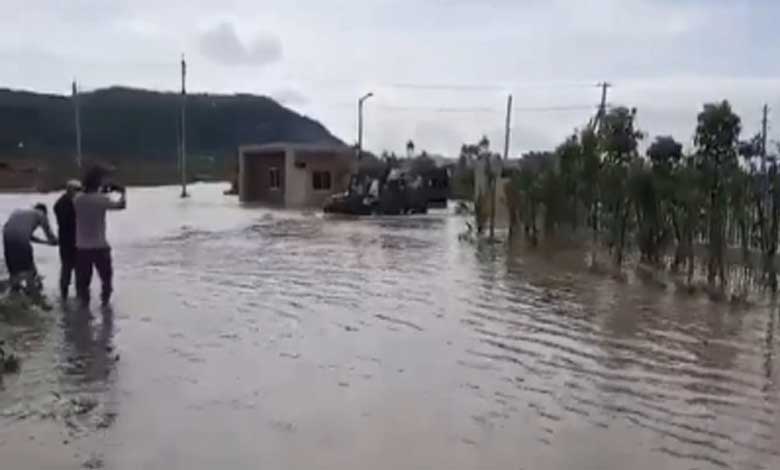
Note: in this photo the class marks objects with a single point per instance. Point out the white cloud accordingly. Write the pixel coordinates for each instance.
(222, 45)
(289, 97)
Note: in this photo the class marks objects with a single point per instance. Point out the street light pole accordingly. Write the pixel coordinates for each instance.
(360, 123)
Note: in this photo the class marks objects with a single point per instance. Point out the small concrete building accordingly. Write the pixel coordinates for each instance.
(293, 175)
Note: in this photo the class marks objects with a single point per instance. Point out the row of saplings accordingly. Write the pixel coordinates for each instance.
(718, 204)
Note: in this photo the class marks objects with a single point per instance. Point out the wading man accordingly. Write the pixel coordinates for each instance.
(18, 236)
(92, 248)
(66, 231)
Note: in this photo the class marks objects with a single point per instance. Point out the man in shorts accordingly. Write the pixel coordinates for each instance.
(18, 236)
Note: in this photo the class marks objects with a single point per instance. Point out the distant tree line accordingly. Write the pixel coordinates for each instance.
(413, 163)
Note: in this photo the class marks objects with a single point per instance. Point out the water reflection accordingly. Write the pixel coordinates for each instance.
(769, 347)
(590, 348)
(88, 351)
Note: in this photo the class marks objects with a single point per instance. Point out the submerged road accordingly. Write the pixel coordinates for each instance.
(253, 338)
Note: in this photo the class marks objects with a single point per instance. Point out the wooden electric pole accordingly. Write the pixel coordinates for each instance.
(495, 173)
(77, 120)
(763, 138)
(183, 144)
(507, 129)
(764, 173)
(603, 105)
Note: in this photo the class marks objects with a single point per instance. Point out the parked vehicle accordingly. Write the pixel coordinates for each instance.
(395, 197)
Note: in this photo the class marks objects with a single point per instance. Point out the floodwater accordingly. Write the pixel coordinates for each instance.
(254, 338)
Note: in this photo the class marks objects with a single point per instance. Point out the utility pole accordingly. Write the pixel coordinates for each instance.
(763, 138)
(507, 129)
(183, 128)
(603, 106)
(77, 119)
(764, 173)
(495, 173)
(361, 100)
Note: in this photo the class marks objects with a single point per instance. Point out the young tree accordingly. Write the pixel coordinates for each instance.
(770, 252)
(619, 140)
(569, 157)
(410, 149)
(664, 153)
(688, 201)
(473, 153)
(654, 199)
(716, 140)
(526, 194)
(589, 184)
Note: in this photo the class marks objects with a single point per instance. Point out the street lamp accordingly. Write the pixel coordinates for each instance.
(360, 123)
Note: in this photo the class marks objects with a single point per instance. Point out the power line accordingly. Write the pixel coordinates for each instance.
(442, 86)
(484, 87)
(580, 107)
(438, 109)
(476, 109)
(451, 87)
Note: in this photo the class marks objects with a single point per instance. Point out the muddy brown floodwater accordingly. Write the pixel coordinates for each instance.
(253, 338)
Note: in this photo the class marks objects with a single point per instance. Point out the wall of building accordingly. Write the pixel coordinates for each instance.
(255, 177)
(301, 166)
(295, 190)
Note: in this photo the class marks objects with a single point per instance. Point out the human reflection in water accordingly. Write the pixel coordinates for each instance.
(769, 349)
(89, 350)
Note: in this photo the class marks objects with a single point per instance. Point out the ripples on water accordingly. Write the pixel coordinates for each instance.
(535, 342)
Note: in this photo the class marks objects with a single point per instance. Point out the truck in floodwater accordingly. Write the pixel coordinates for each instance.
(396, 194)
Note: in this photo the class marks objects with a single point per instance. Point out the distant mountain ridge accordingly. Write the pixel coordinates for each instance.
(125, 124)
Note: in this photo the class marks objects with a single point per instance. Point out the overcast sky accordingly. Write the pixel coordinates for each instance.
(440, 69)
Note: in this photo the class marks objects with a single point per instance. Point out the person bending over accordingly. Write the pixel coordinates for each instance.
(18, 236)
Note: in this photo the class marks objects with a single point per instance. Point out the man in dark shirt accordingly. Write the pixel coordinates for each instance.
(66, 228)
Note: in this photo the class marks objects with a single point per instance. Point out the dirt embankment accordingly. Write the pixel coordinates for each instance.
(20, 176)
(42, 175)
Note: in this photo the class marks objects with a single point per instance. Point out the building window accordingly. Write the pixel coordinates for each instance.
(321, 180)
(274, 178)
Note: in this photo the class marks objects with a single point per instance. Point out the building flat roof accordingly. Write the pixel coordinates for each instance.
(295, 146)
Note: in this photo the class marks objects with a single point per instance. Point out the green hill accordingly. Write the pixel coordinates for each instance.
(139, 129)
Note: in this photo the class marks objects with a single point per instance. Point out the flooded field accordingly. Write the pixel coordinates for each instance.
(252, 338)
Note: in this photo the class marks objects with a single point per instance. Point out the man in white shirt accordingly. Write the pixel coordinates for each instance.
(18, 233)
(92, 248)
